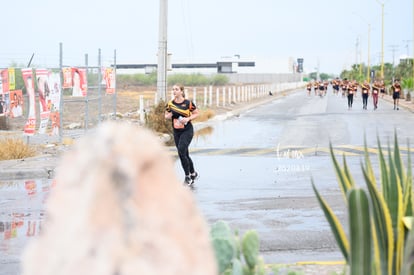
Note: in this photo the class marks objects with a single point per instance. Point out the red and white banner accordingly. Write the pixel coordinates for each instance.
(109, 78)
(5, 81)
(67, 78)
(79, 82)
(42, 83)
(16, 103)
(29, 128)
(55, 95)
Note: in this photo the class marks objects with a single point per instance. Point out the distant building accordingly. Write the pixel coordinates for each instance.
(224, 66)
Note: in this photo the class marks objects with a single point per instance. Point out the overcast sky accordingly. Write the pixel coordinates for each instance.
(269, 32)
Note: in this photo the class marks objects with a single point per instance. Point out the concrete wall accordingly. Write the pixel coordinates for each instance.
(247, 78)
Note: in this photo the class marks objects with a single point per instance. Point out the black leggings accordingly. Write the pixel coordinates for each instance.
(182, 141)
(350, 99)
(365, 100)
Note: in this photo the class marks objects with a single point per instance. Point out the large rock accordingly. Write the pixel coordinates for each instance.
(118, 208)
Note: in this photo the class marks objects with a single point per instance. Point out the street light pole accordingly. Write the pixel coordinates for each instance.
(162, 52)
(382, 38)
(369, 61)
(369, 46)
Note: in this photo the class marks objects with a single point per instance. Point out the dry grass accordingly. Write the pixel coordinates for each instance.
(156, 121)
(204, 115)
(12, 148)
(135, 95)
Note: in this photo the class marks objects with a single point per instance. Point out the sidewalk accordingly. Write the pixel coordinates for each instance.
(408, 105)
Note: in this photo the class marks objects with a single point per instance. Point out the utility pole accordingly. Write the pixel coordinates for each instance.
(393, 49)
(407, 42)
(360, 56)
(369, 45)
(317, 72)
(382, 38)
(369, 60)
(162, 52)
(356, 50)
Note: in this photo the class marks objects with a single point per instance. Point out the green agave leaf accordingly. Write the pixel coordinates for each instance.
(394, 199)
(408, 263)
(399, 250)
(335, 225)
(382, 226)
(360, 232)
(398, 160)
(383, 170)
(347, 172)
(368, 166)
(408, 198)
(400, 186)
(344, 179)
(377, 259)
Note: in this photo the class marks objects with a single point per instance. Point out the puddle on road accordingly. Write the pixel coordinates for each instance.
(22, 208)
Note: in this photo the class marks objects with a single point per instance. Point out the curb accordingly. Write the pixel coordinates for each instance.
(34, 168)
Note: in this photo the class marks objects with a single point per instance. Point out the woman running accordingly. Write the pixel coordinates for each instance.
(181, 111)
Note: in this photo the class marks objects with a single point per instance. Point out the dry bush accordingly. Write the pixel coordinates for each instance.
(12, 148)
(204, 115)
(155, 120)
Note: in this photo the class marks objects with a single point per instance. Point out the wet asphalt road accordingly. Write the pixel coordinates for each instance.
(258, 169)
(255, 173)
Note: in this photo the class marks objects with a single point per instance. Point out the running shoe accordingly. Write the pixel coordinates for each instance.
(194, 176)
(188, 180)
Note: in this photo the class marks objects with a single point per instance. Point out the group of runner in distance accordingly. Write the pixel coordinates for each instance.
(349, 89)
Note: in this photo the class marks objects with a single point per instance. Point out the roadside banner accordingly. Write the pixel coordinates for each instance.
(54, 98)
(1, 85)
(43, 89)
(79, 82)
(67, 78)
(109, 78)
(12, 79)
(5, 81)
(29, 128)
(16, 103)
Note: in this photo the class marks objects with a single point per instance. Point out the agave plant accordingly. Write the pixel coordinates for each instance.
(376, 216)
